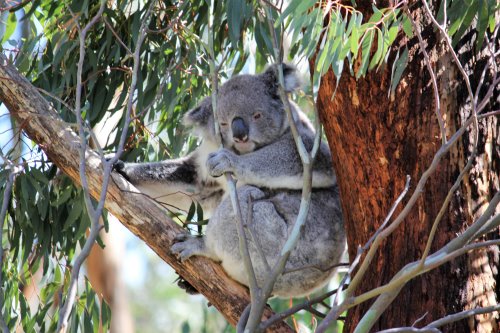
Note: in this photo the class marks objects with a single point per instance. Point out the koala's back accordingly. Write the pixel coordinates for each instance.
(273, 215)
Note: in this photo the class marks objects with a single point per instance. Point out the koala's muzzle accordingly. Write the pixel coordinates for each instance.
(240, 130)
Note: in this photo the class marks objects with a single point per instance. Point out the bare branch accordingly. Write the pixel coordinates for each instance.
(129, 52)
(243, 244)
(463, 315)
(337, 309)
(305, 305)
(433, 327)
(259, 302)
(442, 210)
(437, 103)
(411, 330)
(67, 305)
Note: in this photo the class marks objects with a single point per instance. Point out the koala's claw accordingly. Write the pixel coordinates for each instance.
(187, 246)
(182, 237)
(220, 162)
(118, 166)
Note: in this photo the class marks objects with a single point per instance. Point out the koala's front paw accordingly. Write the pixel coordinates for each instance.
(187, 245)
(220, 162)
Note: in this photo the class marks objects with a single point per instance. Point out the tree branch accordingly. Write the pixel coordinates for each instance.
(139, 214)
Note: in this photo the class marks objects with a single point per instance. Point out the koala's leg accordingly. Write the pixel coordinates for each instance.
(265, 232)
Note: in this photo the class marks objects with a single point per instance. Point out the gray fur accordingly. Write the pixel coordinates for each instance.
(264, 159)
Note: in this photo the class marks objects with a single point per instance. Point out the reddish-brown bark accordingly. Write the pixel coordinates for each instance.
(376, 141)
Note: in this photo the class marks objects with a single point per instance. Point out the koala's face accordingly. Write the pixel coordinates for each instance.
(250, 111)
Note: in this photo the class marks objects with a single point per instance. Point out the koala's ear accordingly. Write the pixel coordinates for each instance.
(290, 76)
(201, 118)
(201, 115)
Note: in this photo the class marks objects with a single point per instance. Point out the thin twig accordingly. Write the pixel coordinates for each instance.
(258, 304)
(95, 213)
(463, 315)
(337, 308)
(67, 305)
(444, 206)
(291, 311)
(110, 27)
(250, 227)
(450, 251)
(437, 103)
(410, 330)
(231, 183)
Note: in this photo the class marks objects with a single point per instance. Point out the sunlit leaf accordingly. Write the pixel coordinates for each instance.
(398, 67)
(366, 45)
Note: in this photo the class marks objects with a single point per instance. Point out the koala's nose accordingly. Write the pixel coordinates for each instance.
(240, 130)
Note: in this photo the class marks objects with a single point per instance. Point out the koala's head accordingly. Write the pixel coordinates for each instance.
(249, 110)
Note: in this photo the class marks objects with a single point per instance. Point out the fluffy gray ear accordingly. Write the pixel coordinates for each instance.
(201, 115)
(290, 76)
(201, 118)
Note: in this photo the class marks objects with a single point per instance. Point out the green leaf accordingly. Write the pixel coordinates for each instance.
(466, 13)
(235, 14)
(39, 176)
(25, 188)
(8, 26)
(105, 315)
(199, 212)
(185, 328)
(377, 15)
(398, 67)
(192, 210)
(35, 184)
(358, 28)
(366, 46)
(407, 27)
(63, 196)
(87, 323)
(392, 34)
(377, 57)
(354, 41)
(323, 54)
(482, 23)
(297, 7)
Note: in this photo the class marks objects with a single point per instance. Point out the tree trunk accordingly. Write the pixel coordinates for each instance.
(142, 216)
(376, 141)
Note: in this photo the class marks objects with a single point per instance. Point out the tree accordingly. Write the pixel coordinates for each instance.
(391, 98)
(377, 141)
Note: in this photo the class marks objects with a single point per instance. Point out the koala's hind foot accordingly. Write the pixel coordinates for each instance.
(186, 286)
(187, 246)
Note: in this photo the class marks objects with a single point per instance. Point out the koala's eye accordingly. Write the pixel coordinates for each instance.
(257, 115)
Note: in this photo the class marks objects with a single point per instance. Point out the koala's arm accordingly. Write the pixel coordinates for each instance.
(277, 165)
(175, 183)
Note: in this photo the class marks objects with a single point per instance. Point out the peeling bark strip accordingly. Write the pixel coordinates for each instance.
(139, 214)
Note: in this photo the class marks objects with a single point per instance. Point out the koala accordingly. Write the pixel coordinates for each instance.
(260, 152)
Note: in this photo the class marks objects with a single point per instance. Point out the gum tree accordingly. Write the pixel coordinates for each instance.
(408, 96)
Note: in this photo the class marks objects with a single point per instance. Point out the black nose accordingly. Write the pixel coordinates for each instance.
(240, 130)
